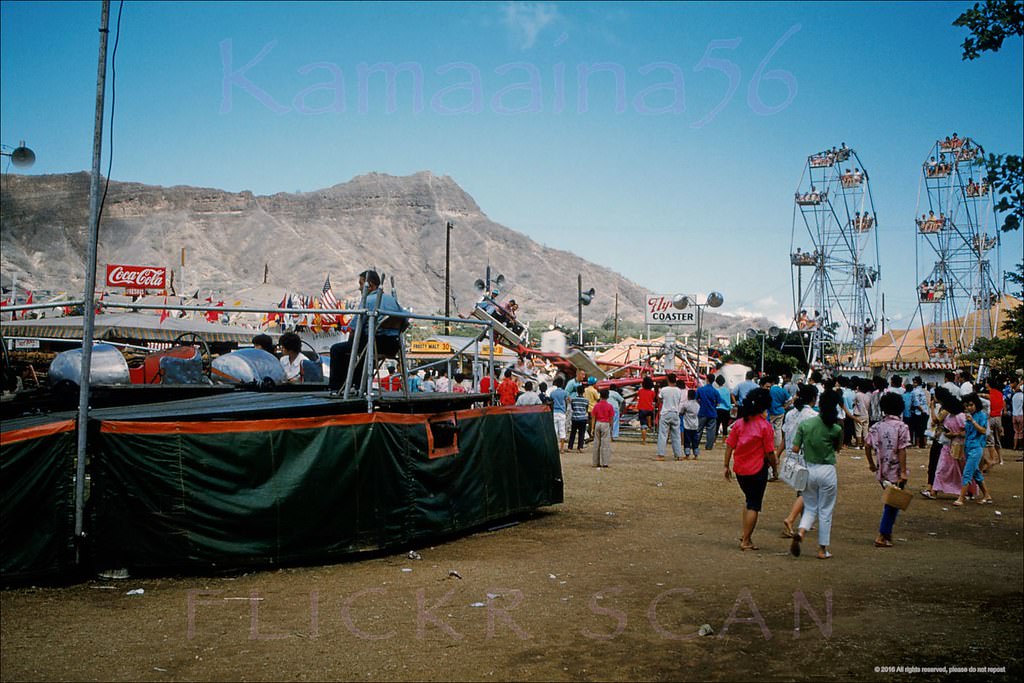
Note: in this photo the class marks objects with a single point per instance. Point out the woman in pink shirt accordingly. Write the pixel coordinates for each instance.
(751, 442)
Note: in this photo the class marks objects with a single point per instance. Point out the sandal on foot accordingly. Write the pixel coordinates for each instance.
(959, 502)
(794, 547)
(826, 556)
(787, 529)
(748, 547)
(883, 544)
(986, 501)
(928, 494)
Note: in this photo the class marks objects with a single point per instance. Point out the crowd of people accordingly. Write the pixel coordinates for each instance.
(805, 258)
(851, 178)
(829, 157)
(765, 422)
(811, 197)
(937, 168)
(974, 189)
(862, 222)
(930, 223)
(931, 290)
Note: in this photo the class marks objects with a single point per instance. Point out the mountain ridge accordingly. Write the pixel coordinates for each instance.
(393, 223)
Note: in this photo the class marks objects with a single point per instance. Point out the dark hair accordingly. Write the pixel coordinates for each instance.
(806, 395)
(891, 403)
(291, 342)
(528, 386)
(647, 382)
(878, 382)
(543, 387)
(816, 375)
(751, 374)
(508, 372)
(765, 379)
(711, 378)
(579, 389)
(950, 376)
(263, 341)
(995, 382)
(670, 378)
(755, 403)
(691, 394)
(720, 381)
(828, 403)
(371, 277)
(972, 398)
(559, 382)
(896, 381)
(604, 394)
(950, 403)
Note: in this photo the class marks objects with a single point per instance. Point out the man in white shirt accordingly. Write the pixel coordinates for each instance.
(529, 397)
(671, 399)
(951, 385)
(291, 360)
(965, 383)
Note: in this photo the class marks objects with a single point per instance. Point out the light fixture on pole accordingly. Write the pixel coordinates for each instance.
(772, 332)
(21, 156)
(714, 300)
(448, 276)
(582, 299)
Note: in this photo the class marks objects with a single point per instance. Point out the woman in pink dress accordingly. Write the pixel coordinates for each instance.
(950, 471)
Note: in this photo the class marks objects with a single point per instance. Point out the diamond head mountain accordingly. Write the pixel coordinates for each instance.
(396, 224)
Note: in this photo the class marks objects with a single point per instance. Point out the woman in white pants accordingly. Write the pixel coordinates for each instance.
(820, 438)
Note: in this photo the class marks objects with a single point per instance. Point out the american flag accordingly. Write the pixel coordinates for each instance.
(328, 300)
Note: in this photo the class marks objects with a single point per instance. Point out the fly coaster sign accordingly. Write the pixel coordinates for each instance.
(660, 311)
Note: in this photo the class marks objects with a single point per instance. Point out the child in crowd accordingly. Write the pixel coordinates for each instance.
(888, 440)
(688, 412)
(580, 407)
(975, 432)
(602, 414)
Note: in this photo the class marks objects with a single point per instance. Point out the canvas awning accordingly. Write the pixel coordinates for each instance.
(126, 326)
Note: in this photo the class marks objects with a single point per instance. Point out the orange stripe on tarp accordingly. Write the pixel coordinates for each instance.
(16, 435)
(274, 425)
(238, 426)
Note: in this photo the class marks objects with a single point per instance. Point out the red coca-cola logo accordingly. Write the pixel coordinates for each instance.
(140, 277)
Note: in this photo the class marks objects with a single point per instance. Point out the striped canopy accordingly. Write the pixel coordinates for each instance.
(126, 326)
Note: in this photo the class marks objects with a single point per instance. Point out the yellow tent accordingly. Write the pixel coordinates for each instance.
(911, 346)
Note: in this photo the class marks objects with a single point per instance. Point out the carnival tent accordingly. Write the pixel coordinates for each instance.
(911, 345)
(126, 326)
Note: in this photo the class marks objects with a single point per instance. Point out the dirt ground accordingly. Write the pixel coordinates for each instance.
(614, 584)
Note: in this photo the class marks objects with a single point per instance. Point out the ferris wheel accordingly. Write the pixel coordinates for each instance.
(957, 241)
(835, 268)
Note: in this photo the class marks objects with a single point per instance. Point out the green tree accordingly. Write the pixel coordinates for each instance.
(989, 25)
(748, 352)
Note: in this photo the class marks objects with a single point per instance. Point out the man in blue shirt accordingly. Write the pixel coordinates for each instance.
(559, 397)
(388, 334)
(707, 416)
(745, 387)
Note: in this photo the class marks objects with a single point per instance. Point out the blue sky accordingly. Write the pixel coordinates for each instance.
(680, 194)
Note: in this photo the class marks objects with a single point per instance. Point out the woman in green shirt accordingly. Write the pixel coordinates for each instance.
(820, 438)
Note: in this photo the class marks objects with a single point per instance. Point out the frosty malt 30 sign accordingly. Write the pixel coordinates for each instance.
(659, 311)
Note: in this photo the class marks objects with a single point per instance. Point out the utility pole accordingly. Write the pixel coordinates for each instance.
(89, 312)
(616, 317)
(448, 276)
(579, 305)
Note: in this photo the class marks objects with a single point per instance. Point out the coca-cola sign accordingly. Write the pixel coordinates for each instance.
(136, 277)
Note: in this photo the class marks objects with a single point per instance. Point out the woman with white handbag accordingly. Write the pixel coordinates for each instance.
(803, 409)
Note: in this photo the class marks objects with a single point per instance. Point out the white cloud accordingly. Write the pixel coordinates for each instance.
(525, 21)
